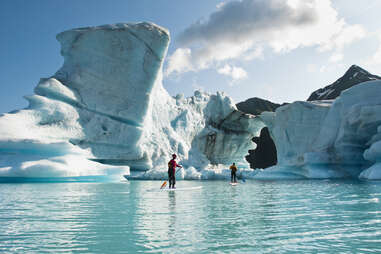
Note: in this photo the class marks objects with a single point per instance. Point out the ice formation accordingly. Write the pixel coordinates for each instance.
(329, 139)
(105, 112)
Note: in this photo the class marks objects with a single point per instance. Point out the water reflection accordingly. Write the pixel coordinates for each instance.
(172, 214)
(136, 217)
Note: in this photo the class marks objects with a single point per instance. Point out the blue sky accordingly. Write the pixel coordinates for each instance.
(280, 50)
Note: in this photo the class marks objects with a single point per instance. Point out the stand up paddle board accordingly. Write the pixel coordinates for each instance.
(183, 189)
(177, 189)
(233, 184)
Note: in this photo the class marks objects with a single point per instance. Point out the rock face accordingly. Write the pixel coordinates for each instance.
(354, 75)
(329, 139)
(264, 155)
(256, 106)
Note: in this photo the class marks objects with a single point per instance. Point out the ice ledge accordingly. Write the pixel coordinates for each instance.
(153, 35)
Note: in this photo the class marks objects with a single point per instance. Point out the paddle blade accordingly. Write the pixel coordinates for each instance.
(163, 185)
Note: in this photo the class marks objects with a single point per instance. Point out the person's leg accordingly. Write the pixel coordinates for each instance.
(173, 181)
(170, 179)
(231, 176)
(235, 177)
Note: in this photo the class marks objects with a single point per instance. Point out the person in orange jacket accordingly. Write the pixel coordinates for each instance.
(233, 175)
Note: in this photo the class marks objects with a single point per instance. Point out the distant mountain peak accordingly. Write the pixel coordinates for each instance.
(353, 76)
(256, 106)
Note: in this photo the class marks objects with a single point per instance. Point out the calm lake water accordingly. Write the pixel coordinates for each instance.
(135, 217)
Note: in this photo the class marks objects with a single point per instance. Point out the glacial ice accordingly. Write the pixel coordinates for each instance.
(106, 113)
(329, 139)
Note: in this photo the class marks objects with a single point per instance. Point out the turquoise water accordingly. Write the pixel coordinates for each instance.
(134, 217)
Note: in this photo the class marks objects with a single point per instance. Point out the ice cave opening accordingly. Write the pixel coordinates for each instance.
(265, 153)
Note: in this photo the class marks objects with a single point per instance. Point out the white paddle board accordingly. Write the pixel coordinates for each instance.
(233, 184)
(183, 189)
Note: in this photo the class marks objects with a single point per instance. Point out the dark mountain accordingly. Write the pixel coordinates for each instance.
(354, 75)
(256, 106)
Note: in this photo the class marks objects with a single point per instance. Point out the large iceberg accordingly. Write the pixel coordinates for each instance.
(329, 139)
(105, 112)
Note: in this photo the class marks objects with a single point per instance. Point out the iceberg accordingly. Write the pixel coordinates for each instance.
(329, 139)
(105, 113)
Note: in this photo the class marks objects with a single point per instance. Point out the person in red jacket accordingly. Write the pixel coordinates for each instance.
(172, 165)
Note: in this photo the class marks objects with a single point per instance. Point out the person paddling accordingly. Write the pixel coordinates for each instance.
(172, 164)
(233, 169)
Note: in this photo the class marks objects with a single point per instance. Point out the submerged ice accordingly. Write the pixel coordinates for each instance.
(105, 113)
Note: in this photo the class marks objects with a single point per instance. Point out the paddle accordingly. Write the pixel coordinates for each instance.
(164, 184)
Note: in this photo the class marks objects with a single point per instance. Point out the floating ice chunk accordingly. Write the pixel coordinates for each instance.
(372, 173)
(33, 159)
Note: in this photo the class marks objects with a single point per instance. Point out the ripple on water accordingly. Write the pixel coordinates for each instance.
(254, 217)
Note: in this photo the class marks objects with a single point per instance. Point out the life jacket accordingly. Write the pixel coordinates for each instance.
(172, 165)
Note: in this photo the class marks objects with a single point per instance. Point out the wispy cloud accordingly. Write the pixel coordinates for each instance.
(336, 57)
(180, 61)
(236, 73)
(241, 29)
(375, 59)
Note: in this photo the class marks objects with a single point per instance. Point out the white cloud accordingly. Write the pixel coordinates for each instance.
(253, 54)
(236, 73)
(241, 29)
(180, 61)
(376, 58)
(336, 57)
(345, 36)
(220, 5)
